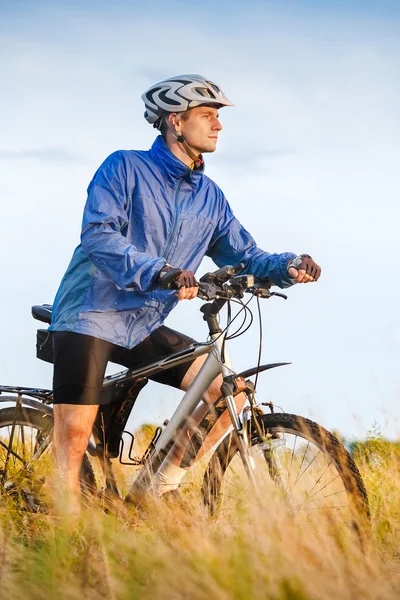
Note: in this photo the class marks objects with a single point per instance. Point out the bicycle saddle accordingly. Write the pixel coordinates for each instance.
(42, 312)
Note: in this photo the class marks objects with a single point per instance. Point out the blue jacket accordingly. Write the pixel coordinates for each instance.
(146, 208)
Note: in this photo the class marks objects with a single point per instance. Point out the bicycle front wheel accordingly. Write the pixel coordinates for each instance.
(309, 466)
(25, 462)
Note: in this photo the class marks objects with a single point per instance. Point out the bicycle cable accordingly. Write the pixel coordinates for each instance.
(244, 307)
(237, 333)
(260, 343)
(240, 331)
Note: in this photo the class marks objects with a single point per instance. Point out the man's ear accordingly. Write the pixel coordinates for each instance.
(176, 122)
(171, 118)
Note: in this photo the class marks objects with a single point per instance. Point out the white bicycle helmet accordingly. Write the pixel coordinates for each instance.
(180, 93)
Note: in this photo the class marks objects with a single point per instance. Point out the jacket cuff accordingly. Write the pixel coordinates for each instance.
(148, 280)
(286, 280)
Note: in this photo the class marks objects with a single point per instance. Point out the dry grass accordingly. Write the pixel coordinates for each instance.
(174, 551)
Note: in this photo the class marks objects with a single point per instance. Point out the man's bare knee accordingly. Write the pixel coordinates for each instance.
(73, 425)
(192, 372)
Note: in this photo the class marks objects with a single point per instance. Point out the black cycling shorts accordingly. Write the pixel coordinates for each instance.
(80, 362)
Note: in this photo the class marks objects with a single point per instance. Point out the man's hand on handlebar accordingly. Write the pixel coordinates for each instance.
(225, 283)
(183, 281)
(188, 286)
(303, 269)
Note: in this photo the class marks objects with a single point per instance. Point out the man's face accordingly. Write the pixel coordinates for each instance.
(200, 128)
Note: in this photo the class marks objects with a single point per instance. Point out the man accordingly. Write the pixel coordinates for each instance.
(148, 213)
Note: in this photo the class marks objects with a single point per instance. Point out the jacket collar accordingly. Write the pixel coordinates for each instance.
(171, 167)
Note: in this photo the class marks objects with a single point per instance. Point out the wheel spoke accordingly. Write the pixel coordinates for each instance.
(11, 451)
(320, 477)
(337, 507)
(291, 462)
(325, 486)
(302, 461)
(22, 430)
(308, 501)
(329, 495)
(308, 466)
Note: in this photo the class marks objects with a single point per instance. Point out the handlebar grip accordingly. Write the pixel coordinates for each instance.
(239, 267)
(167, 280)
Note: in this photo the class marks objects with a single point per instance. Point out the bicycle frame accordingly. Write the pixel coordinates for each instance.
(216, 363)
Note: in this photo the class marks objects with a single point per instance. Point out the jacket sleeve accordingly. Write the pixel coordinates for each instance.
(104, 219)
(232, 244)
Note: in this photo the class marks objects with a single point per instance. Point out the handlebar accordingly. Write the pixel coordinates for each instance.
(225, 283)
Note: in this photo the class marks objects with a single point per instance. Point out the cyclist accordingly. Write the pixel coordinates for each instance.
(150, 217)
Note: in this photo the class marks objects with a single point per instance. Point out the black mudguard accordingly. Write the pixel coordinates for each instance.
(254, 370)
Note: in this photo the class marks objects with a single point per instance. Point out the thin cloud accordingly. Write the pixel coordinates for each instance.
(153, 75)
(250, 159)
(48, 155)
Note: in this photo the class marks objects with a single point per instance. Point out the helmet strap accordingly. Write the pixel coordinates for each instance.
(197, 159)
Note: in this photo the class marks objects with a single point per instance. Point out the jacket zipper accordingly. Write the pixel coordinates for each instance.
(140, 316)
(177, 215)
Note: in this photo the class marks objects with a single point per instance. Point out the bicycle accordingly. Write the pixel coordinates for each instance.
(310, 467)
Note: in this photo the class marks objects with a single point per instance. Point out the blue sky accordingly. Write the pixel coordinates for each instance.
(308, 160)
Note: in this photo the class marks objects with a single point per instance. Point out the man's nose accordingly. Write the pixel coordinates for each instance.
(217, 125)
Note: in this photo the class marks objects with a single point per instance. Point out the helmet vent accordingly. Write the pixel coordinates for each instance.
(203, 92)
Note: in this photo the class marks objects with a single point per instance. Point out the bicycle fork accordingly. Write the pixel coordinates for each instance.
(240, 431)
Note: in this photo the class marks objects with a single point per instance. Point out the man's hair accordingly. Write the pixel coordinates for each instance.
(164, 127)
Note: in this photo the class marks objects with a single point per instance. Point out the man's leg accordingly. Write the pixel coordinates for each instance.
(192, 443)
(72, 429)
(79, 366)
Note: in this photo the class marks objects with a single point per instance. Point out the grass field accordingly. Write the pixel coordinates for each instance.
(174, 551)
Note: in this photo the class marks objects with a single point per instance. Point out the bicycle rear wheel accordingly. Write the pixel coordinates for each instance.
(25, 462)
(309, 466)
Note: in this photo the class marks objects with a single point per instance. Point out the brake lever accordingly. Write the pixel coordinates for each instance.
(279, 295)
(261, 292)
(265, 292)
